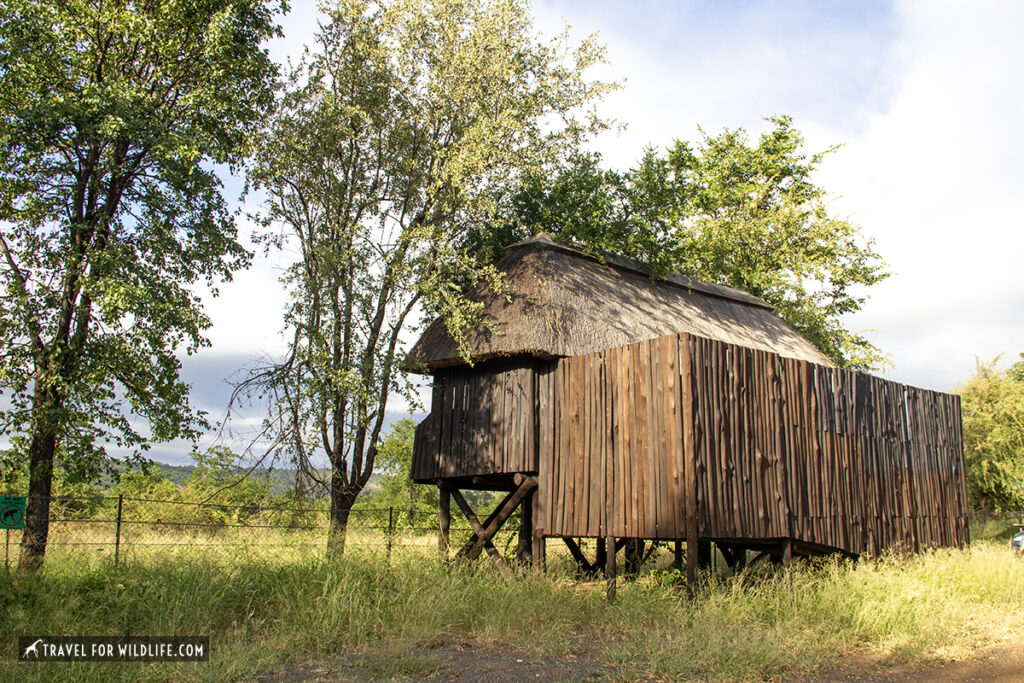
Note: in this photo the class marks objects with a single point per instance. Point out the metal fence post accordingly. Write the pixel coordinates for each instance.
(117, 532)
(391, 531)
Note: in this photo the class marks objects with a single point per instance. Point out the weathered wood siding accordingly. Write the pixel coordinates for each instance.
(783, 449)
(481, 422)
(846, 460)
(611, 456)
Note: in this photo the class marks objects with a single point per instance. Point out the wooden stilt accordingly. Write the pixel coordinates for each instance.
(539, 550)
(787, 552)
(444, 520)
(525, 549)
(609, 570)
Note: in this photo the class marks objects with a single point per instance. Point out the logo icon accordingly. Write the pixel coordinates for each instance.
(12, 512)
(32, 649)
(10, 516)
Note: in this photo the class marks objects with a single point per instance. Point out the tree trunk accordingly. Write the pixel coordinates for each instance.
(37, 513)
(342, 500)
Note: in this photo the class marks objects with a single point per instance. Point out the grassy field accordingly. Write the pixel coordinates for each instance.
(265, 613)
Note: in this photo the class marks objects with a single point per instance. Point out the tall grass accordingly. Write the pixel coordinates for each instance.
(263, 616)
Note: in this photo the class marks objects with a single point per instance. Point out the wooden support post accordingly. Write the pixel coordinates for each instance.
(609, 569)
(539, 550)
(602, 553)
(478, 528)
(787, 552)
(444, 512)
(525, 550)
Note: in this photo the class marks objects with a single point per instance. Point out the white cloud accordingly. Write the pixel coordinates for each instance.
(925, 97)
(934, 178)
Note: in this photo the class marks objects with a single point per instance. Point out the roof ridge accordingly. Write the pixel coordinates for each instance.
(543, 240)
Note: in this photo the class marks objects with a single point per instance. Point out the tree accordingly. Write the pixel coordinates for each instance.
(114, 117)
(396, 488)
(726, 211)
(396, 133)
(993, 432)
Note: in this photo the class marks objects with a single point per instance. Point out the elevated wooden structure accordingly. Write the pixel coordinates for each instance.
(758, 446)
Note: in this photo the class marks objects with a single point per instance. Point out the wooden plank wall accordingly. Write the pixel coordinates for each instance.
(481, 421)
(783, 448)
(611, 447)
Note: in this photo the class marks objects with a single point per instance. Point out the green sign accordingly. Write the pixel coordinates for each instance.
(12, 512)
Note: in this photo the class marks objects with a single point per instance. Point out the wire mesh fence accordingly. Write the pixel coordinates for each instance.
(119, 529)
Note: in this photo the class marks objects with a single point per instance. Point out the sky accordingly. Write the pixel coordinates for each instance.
(923, 98)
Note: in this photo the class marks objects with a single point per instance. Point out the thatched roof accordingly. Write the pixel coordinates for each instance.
(566, 303)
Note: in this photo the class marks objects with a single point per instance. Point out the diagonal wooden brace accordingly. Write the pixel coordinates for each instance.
(479, 529)
(577, 554)
(503, 513)
(490, 518)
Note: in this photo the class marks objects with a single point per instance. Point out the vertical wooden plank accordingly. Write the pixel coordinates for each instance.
(557, 512)
(473, 383)
(674, 433)
(626, 379)
(595, 428)
(619, 400)
(647, 454)
(543, 455)
(690, 464)
(577, 485)
(583, 484)
(606, 436)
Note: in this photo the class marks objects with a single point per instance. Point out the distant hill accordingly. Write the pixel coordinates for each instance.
(282, 479)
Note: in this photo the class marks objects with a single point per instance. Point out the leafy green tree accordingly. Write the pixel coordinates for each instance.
(114, 116)
(413, 503)
(219, 478)
(992, 402)
(726, 210)
(396, 133)
(149, 483)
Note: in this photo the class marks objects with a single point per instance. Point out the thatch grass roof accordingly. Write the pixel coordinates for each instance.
(565, 303)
